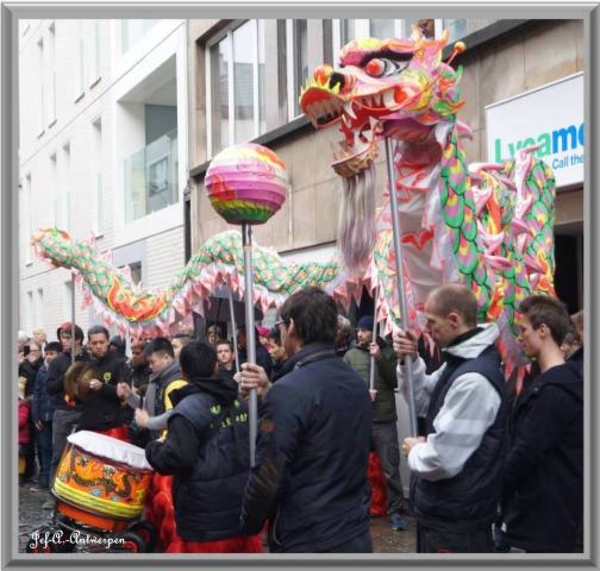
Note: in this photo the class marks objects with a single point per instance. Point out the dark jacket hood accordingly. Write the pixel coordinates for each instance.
(224, 390)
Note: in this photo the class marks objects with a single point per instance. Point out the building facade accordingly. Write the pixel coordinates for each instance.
(245, 80)
(103, 152)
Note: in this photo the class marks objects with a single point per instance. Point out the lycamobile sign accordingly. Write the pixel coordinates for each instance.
(551, 117)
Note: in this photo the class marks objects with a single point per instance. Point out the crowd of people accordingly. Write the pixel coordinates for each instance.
(493, 468)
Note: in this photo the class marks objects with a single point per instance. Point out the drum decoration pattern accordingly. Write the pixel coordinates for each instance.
(100, 485)
(246, 183)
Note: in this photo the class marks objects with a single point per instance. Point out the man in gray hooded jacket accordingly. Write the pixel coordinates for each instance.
(457, 467)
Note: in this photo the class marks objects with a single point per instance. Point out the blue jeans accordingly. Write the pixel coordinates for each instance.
(43, 445)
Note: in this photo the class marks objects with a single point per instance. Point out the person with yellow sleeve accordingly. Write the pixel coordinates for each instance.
(153, 412)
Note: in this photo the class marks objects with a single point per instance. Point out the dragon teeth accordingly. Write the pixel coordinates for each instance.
(348, 109)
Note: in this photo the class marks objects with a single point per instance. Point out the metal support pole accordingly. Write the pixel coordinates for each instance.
(373, 340)
(73, 316)
(234, 328)
(400, 278)
(250, 336)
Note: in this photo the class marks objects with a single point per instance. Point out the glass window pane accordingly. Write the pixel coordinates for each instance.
(132, 31)
(301, 58)
(262, 106)
(243, 81)
(220, 96)
(348, 31)
(382, 29)
(460, 28)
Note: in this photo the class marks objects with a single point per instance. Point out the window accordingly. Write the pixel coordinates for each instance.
(64, 190)
(460, 28)
(347, 30)
(97, 183)
(27, 209)
(39, 308)
(29, 312)
(67, 299)
(236, 75)
(132, 31)
(297, 38)
(93, 51)
(80, 63)
(42, 98)
(53, 191)
(50, 66)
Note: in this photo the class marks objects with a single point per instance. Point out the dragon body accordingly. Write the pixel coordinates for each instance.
(489, 226)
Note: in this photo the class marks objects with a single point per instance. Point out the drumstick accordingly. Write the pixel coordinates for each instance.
(141, 402)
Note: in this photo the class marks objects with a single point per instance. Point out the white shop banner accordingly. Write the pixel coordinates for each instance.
(550, 116)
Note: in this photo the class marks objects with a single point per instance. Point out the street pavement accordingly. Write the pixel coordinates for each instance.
(32, 516)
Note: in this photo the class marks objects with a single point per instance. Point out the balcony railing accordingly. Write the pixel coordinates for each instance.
(151, 177)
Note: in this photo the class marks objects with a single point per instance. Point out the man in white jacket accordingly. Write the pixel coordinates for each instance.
(457, 466)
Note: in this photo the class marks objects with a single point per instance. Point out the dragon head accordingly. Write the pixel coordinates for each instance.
(382, 87)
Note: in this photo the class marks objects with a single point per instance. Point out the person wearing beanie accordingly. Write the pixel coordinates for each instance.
(384, 432)
(117, 345)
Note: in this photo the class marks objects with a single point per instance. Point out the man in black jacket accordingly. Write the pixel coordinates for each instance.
(542, 494)
(104, 410)
(206, 449)
(310, 476)
(68, 411)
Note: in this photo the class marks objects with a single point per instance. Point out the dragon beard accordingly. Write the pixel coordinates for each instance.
(356, 226)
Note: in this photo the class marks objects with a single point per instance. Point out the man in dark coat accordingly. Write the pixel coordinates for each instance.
(206, 449)
(542, 493)
(310, 476)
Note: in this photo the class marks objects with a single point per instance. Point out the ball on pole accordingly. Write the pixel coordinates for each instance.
(247, 183)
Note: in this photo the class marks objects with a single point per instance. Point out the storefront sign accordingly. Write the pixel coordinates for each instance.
(551, 117)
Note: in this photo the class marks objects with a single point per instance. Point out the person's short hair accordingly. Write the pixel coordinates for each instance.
(225, 342)
(161, 346)
(214, 329)
(344, 325)
(53, 346)
(453, 297)
(543, 309)
(314, 313)
(275, 334)
(198, 359)
(67, 327)
(184, 338)
(98, 330)
(577, 320)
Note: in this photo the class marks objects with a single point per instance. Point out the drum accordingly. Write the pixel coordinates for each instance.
(104, 476)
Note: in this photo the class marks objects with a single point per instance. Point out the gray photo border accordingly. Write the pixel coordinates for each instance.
(11, 12)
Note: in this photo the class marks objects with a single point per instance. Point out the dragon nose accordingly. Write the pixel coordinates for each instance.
(337, 79)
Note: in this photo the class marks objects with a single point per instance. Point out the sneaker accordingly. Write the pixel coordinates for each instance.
(49, 504)
(398, 523)
(39, 489)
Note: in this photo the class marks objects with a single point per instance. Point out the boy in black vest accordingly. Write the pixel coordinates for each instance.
(457, 466)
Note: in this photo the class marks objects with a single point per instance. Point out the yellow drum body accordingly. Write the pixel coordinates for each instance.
(101, 485)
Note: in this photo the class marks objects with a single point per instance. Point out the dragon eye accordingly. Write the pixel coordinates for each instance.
(380, 67)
